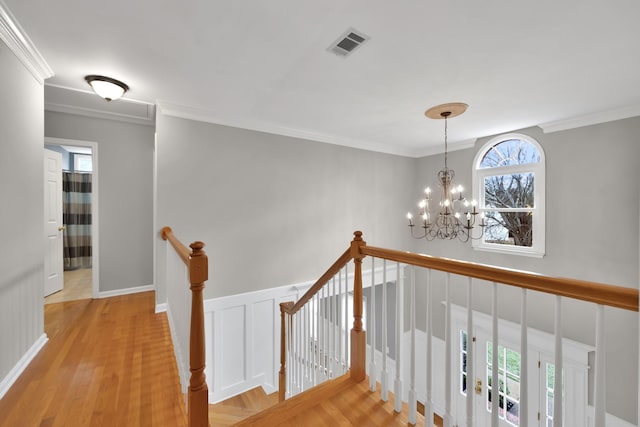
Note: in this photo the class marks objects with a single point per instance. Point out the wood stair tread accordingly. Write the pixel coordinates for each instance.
(338, 402)
(235, 409)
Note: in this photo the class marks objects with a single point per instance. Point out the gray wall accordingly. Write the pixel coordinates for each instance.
(273, 210)
(22, 212)
(125, 157)
(593, 187)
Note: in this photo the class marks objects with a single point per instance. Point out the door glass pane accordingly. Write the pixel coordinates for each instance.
(463, 362)
(508, 383)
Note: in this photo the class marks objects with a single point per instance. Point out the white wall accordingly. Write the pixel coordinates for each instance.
(22, 215)
(126, 194)
(593, 183)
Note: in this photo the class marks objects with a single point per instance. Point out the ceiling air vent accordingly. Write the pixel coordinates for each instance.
(348, 42)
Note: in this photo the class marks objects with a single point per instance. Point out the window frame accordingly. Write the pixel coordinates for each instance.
(539, 189)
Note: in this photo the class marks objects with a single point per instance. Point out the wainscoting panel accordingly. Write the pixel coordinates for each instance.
(242, 333)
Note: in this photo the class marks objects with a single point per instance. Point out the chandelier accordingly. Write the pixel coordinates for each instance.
(452, 216)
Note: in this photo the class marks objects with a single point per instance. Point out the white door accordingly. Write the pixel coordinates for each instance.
(509, 389)
(481, 387)
(53, 227)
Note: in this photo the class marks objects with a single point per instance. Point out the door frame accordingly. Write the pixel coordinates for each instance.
(95, 256)
(575, 364)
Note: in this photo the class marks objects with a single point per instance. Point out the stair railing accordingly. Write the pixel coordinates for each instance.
(314, 338)
(303, 359)
(197, 265)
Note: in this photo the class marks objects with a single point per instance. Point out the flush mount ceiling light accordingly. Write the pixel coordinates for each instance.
(452, 215)
(107, 88)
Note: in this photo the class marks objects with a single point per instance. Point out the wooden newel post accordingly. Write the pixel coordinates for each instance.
(282, 376)
(358, 335)
(198, 394)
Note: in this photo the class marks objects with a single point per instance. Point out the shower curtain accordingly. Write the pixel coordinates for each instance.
(76, 213)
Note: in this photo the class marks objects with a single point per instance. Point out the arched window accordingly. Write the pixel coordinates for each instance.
(509, 182)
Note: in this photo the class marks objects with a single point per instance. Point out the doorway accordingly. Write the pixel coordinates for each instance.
(540, 362)
(81, 258)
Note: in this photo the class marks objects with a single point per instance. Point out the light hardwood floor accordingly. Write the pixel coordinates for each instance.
(77, 285)
(108, 362)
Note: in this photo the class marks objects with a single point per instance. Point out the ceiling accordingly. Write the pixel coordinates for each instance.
(265, 65)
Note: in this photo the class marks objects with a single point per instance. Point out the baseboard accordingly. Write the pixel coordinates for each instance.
(161, 308)
(127, 291)
(22, 364)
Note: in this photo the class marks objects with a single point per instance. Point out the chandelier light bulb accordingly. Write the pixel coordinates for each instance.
(450, 217)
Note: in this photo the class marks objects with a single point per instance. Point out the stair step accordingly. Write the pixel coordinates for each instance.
(235, 409)
(340, 401)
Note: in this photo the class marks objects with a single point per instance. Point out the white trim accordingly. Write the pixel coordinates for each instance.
(538, 248)
(202, 115)
(75, 97)
(161, 308)
(591, 119)
(612, 420)
(98, 114)
(127, 291)
(251, 314)
(22, 364)
(21, 45)
(95, 204)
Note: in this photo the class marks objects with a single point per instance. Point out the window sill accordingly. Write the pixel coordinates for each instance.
(511, 250)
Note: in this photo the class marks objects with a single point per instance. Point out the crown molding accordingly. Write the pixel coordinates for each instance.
(202, 115)
(21, 45)
(97, 114)
(591, 119)
(80, 102)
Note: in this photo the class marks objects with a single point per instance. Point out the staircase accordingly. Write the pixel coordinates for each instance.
(235, 409)
(338, 402)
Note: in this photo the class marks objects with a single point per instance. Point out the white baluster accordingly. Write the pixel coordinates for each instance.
(307, 330)
(558, 380)
(372, 333)
(600, 402)
(397, 400)
(346, 318)
(413, 410)
(384, 375)
(470, 355)
(333, 322)
(294, 345)
(495, 369)
(316, 340)
(428, 403)
(447, 418)
(290, 356)
(336, 331)
(324, 334)
(300, 348)
(340, 325)
(524, 362)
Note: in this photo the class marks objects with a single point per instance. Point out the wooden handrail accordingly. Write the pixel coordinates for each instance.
(332, 271)
(197, 263)
(182, 250)
(599, 293)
